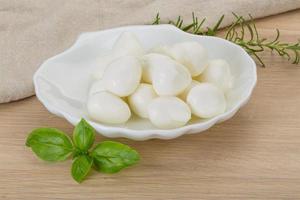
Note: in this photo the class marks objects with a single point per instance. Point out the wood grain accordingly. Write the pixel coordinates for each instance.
(254, 155)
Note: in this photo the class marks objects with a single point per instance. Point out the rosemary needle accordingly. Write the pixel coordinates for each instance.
(237, 32)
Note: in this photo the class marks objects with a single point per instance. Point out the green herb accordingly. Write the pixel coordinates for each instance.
(237, 32)
(53, 145)
(81, 166)
(50, 144)
(83, 136)
(111, 157)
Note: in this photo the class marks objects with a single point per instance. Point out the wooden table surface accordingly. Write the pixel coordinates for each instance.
(254, 155)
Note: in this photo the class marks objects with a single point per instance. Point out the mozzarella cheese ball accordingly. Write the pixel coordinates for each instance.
(167, 76)
(206, 100)
(141, 98)
(218, 73)
(168, 112)
(122, 76)
(126, 45)
(161, 49)
(147, 69)
(184, 94)
(102, 63)
(108, 108)
(191, 54)
(96, 86)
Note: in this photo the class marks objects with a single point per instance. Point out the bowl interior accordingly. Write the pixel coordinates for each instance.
(63, 81)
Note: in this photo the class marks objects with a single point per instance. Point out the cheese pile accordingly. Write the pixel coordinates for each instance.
(165, 85)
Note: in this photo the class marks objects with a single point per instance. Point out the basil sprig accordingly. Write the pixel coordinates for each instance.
(53, 145)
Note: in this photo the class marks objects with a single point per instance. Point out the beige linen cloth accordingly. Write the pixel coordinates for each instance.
(33, 30)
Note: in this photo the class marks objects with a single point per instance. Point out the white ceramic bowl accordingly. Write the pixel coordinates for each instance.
(62, 82)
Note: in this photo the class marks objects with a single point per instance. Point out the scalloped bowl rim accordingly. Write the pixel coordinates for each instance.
(110, 131)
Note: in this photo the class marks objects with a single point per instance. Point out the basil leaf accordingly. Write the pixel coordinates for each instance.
(111, 157)
(50, 144)
(81, 167)
(83, 135)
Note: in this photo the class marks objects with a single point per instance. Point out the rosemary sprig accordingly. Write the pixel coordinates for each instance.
(157, 19)
(237, 33)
